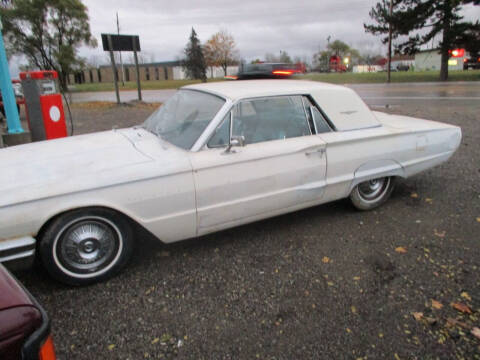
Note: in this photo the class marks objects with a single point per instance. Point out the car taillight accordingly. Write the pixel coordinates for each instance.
(47, 351)
(282, 72)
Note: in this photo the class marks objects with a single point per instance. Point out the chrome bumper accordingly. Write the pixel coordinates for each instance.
(17, 249)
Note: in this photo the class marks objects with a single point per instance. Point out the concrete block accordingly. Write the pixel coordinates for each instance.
(16, 139)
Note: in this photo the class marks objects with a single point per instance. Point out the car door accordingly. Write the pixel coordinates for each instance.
(280, 168)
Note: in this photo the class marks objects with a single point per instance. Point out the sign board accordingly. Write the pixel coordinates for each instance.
(121, 42)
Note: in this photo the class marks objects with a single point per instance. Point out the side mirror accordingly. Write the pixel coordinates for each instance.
(235, 141)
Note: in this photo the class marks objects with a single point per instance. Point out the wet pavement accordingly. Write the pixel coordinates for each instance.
(372, 94)
(400, 93)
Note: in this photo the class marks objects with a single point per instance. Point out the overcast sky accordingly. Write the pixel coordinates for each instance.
(258, 27)
(299, 27)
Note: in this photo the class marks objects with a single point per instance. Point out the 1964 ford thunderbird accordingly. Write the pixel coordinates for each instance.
(214, 156)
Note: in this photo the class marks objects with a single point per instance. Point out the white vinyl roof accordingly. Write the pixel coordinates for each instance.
(342, 105)
(241, 89)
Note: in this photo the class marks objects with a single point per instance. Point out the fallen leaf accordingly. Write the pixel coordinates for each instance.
(354, 309)
(356, 278)
(455, 322)
(435, 273)
(349, 331)
(476, 332)
(111, 346)
(440, 234)
(478, 219)
(154, 341)
(462, 308)
(401, 250)
(396, 356)
(466, 296)
(417, 315)
(326, 259)
(330, 283)
(437, 305)
(428, 200)
(414, 195)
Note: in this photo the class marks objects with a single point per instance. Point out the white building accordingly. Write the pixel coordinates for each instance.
(212, 72)
(367, 68)
(431, 60)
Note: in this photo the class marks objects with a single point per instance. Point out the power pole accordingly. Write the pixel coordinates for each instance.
(390, 12)
(121, 62)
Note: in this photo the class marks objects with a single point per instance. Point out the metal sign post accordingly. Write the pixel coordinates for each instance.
(137, 70)
(112, 42)
(114, 68)
(9, 102)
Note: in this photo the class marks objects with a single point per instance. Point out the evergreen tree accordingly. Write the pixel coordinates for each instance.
(437, 17)
(386, 24)
(194, 62)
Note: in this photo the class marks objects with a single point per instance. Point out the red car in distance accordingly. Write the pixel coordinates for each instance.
(24, 325)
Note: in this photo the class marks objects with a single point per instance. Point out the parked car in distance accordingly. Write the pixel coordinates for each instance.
(24, 325)
(268, 71)
(214, 156)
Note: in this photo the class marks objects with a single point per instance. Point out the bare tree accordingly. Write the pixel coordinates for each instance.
(220, 51)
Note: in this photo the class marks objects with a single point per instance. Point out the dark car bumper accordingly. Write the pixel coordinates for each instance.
(33, 344)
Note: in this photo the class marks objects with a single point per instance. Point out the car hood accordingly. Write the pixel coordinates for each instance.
(66, 165)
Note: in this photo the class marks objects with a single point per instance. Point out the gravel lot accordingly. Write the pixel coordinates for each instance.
(328, 282)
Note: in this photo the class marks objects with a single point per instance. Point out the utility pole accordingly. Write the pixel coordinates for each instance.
(390, 12)
(121, 62)
(327, 67)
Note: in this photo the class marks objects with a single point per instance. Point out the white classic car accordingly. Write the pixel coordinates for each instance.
(214, 156)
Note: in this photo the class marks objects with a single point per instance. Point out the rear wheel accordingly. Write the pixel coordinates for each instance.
(372, 193)
(86, 245)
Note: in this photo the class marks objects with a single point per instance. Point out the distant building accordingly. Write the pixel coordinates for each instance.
(431, 60)
(167, 70)
(402, 62)
(367, 68)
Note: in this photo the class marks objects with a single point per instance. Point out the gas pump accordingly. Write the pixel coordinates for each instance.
(43, 104)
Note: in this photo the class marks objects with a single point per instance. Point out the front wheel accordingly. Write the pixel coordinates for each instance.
(86, 245)
(372, 193)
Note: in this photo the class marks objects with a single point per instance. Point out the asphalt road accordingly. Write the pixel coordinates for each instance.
(327, 282)
(372, 94)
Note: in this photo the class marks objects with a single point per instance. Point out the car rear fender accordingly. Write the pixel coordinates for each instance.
(376, 169)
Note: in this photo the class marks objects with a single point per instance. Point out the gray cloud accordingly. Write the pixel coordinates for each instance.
(300, 28)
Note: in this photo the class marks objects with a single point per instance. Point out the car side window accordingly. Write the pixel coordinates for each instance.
(270, 118)
(321, 125)
(221, 137)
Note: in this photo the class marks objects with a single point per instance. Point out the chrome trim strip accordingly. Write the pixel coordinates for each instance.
(21, 255)
(18, 248)
(15, 243)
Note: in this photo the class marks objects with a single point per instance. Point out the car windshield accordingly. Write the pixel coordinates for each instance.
(184, 117)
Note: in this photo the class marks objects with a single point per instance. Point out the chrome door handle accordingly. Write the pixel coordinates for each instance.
(320, 151)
